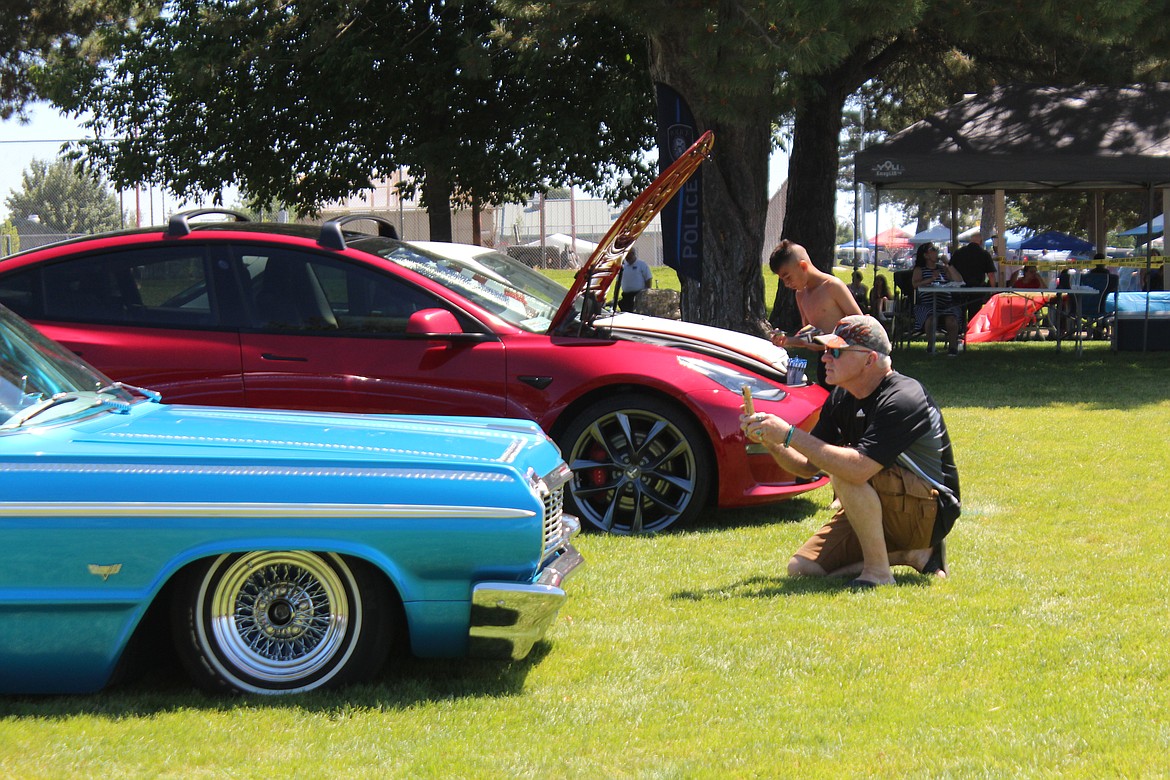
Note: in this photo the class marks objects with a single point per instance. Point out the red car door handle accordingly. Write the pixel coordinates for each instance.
(290, 358)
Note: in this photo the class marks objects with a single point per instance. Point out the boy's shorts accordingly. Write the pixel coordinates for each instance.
(909, 507)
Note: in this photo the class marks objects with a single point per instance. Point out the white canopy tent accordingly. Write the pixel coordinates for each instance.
(580, 246)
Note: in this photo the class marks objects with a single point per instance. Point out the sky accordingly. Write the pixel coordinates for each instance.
(19, 144)
(42, 138)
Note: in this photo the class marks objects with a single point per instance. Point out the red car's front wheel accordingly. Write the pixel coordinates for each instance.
(640, 465)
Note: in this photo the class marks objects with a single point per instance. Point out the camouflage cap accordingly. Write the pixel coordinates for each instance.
(858, 330)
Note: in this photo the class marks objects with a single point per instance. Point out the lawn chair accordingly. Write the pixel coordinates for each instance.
(909, 329)
(901, 319)
(1095, 321)
(887, 314)
(1032, 329)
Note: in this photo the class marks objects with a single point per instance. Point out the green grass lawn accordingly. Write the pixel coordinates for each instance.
(691, 654)
(666, 278)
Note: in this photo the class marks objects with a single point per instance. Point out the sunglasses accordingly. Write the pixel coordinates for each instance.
(836, 351)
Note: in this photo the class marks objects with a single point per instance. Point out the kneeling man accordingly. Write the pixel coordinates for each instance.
(882, 441)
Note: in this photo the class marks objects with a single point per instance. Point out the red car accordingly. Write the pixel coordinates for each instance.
(252, 314)
(296, 316)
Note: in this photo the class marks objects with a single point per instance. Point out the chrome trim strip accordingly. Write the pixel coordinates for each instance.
(559, 570)
(514, 444)
(251, 510)
(514, 449)
(254, 471)
(501, 428)
(558, 476)
(570, 527)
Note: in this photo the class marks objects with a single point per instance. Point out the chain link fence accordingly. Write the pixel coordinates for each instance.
(39, 207)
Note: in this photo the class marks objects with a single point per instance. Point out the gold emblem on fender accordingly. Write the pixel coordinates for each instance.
(105, 572)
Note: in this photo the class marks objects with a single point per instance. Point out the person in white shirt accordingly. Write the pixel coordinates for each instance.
(635, 277)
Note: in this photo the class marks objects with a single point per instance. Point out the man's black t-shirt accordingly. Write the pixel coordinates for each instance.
(973, 263)
(898, 423)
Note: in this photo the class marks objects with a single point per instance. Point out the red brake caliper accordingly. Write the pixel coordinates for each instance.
(598, 475)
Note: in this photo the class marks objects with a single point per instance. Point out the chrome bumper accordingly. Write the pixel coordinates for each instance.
(508, 618)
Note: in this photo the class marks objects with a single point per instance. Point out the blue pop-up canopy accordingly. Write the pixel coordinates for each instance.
(1156, 225)
(1055, 241)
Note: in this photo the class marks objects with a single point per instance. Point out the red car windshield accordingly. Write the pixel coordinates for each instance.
(507, 287)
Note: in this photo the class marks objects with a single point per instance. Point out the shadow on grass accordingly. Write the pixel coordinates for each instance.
(793, 510)
(768, 587)
(405, 682)
(1035, 375)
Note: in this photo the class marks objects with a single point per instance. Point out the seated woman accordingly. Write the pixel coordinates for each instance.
(858, 290)
(928, 272)
(879, 300)
(1030, 279)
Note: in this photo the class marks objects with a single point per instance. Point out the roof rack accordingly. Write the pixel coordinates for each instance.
(332, 237)
(179, 224)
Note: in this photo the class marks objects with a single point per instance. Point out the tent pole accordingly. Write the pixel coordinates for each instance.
(955, 223)
(1165, 211)
(1099, 220)
(858, 216)
(1000, 238)
(1165, 214)
(1149, 264)
(860, 222)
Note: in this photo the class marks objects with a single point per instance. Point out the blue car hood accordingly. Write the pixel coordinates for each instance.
(233, 458)
(201, 433)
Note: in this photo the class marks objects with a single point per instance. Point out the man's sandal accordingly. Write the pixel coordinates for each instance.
(937, 562)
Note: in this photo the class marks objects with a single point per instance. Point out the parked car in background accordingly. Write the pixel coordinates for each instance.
(282, 551)
(296, 316)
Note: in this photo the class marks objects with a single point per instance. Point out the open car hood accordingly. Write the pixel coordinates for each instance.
(602, 267)
(752, 352)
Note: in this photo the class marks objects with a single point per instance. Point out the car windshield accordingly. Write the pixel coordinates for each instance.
(504, 286)
(40, 378)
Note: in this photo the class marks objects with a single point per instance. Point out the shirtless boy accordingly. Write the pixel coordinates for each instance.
(822, 298)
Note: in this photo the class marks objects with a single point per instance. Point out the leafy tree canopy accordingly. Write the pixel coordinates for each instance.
(9, 238)
(301, 102)
(36, 30)
(744, 67)
(65, 198)
(1072, 212)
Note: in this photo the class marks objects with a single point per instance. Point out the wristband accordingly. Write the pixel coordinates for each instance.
(788, 438)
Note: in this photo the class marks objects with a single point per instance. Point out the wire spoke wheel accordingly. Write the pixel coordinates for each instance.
(279, 615)
(279, 622)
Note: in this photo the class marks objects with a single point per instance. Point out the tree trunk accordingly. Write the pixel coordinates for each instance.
(735, 200)
(436, 196)
(987, 226)
(810, 214)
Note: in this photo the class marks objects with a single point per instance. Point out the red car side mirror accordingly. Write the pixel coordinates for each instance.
(433, 322)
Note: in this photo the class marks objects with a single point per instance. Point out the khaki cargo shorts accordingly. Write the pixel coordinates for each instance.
(909, 506)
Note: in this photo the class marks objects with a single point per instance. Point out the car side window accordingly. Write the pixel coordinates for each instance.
(165, 286)
(294, 291)
(21, 293)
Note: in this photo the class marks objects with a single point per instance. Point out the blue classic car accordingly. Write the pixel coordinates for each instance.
(287, 550)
